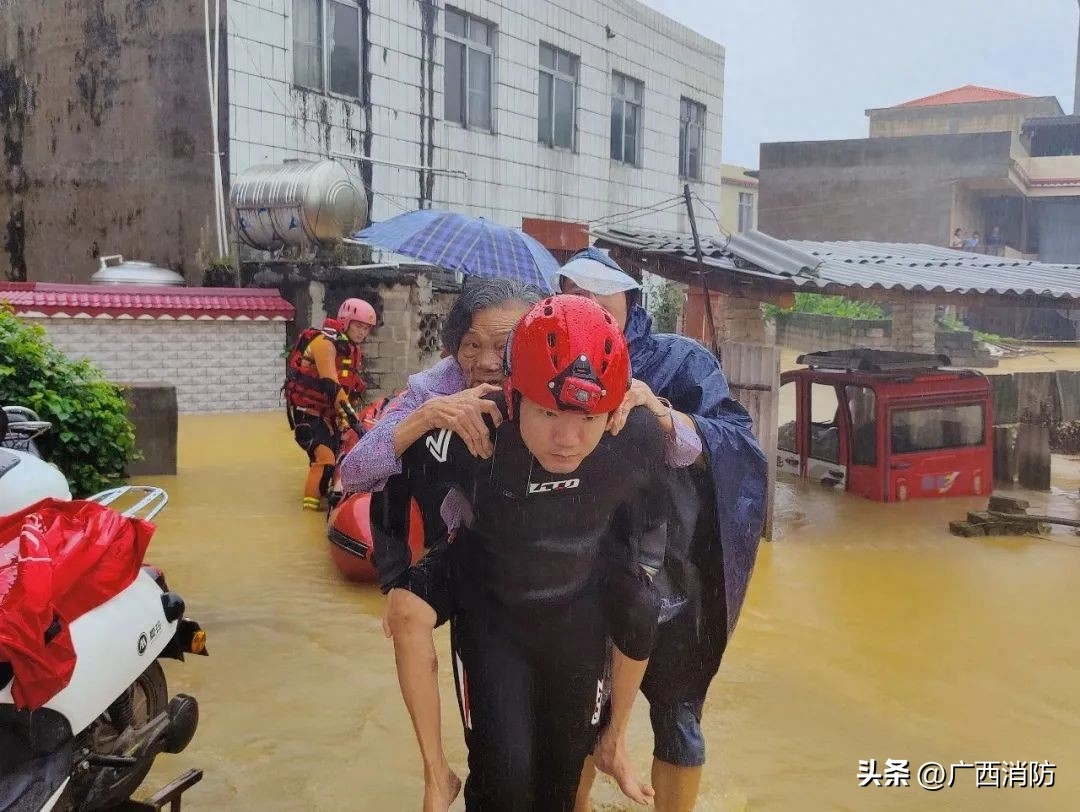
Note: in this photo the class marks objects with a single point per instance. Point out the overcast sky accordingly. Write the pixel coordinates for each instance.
(804, 70)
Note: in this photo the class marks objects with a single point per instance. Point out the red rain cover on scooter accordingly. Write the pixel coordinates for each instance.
(59, 560)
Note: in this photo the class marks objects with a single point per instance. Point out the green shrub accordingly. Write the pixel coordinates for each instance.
(665, 302)
(94, 439)
(828, 306)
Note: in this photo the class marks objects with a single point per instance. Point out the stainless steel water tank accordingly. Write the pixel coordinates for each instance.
(114, 271)
(296, 203)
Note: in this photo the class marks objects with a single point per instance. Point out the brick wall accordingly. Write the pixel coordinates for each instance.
(407, 339)
(914, 326)
(735, 318)
(216, 366)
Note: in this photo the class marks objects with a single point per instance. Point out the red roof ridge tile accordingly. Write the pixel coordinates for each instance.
(967, 94)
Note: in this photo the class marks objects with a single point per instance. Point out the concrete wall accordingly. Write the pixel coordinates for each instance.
(1058, 224)
(811, 332)
(216, 366)
(967, 213)
(951, 119)
(103, 113)
(814, 332)
(511, 176)
(887, 189)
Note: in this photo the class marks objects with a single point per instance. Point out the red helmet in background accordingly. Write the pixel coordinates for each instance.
(356, 310)
(568, 353)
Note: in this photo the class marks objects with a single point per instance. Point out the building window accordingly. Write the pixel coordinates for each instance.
(470, 45)
(625, 118)
(746, 211)
(558, 97)
(691, 138)
(336, 22)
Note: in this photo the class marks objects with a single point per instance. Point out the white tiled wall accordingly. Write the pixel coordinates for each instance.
(510, 175)
(216, 366)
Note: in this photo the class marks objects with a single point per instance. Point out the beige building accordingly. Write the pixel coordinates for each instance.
(967, 109)
(738, 198)
(972, 158)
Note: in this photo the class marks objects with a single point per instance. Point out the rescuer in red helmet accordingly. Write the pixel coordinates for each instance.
(555, 540)
(322, 380)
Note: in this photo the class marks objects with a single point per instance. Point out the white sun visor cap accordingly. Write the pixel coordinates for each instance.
(596, 272)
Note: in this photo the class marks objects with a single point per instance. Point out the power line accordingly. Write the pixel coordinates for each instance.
(673, 205)
(628, 210)
(709, 208)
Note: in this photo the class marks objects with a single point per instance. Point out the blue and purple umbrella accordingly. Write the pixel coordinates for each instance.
(470, 245)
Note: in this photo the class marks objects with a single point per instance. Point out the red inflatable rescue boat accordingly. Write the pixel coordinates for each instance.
(348, 527)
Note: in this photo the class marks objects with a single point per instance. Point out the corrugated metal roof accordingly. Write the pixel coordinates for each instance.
(928, 268)
(861, 264)
(1040, 122)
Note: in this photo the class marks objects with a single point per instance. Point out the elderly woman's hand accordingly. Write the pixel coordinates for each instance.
(463, 413)
(639, 395)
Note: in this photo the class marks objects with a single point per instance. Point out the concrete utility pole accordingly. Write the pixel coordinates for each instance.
(1076, 88)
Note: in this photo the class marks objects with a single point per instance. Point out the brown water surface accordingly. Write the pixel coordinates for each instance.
(869, 633)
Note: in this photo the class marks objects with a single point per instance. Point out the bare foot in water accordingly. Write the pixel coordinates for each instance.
(440, 790)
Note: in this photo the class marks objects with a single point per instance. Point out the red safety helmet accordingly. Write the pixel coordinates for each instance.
(356, 310)
(568, 353)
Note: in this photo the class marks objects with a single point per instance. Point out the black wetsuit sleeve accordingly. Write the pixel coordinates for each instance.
(435, 461)
(632, 601)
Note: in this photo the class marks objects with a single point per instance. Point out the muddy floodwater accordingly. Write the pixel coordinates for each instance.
(869, 633)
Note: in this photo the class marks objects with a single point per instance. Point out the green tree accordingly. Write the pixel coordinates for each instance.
(94, 438)
(665, 302)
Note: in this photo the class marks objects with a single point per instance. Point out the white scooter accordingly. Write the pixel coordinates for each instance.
(92, 744)
(26, 477)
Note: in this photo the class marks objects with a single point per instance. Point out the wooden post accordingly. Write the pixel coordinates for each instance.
(753, 373)
(1005, 459)
(1036, 406)
(1033, 451)
(701, 270)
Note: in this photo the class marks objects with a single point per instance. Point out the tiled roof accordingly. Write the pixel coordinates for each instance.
(965, 95)
(145, 302)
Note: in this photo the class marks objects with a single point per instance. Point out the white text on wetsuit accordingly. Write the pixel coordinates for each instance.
(548, 487)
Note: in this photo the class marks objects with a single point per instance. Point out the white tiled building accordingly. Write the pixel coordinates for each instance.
(572, 110)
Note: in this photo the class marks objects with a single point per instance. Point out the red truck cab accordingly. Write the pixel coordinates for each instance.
(889, 426)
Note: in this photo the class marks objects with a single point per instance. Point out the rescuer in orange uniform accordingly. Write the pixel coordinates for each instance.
(323, 384)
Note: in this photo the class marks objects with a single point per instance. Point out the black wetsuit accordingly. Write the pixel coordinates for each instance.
(548, 568)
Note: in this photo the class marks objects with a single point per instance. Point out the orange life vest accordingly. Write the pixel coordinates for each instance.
(305, 389)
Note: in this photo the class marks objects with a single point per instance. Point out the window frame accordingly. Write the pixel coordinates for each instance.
(622, 98)
(470, 44)
(557, 75)
(687, 106)
(899, 411)
(323, 12)
(746, 211)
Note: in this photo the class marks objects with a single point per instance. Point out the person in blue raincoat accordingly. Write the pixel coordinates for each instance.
(723, 507)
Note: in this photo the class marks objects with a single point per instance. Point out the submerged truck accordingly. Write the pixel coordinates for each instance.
(888, 426)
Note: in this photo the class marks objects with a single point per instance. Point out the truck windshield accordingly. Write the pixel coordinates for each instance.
(937, 427)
